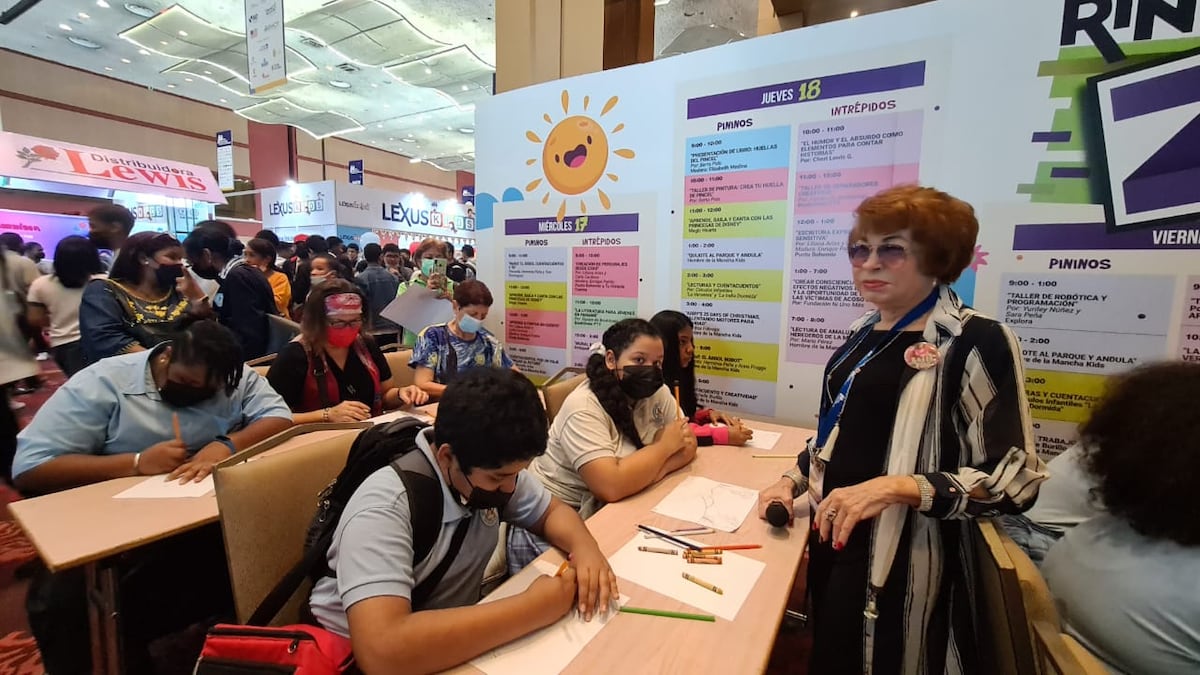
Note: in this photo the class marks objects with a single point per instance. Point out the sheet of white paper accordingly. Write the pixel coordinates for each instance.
(158, 487)
(401, 414)
(736, 576)
(417, 308)
(764, 440)
(550, 649)
(706, 502)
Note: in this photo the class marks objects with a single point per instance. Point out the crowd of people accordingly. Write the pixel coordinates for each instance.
(923, 426)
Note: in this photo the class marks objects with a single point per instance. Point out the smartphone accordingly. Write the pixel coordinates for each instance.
(439, 266)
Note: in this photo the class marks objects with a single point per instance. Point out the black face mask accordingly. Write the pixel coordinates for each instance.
(480, 499)
(166, 275)
(211, 274)
(639, 382)
(180, 395)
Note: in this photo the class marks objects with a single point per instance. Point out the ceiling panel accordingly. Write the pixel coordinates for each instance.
(366, 31)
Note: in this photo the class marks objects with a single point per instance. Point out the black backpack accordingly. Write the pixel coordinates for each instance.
(391, 443)
(457, 272)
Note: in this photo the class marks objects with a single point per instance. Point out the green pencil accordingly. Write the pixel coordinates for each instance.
(669, 615)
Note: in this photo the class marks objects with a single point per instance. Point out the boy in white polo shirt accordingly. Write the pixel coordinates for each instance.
(490, 425)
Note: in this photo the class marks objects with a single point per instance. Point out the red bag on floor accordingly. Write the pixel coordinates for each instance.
(254, 650)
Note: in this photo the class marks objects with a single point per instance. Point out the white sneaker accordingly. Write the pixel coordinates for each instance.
(15, 405)
(44, 356)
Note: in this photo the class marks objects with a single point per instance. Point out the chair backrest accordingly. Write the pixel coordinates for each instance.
(261, 370)
(280, 331)
(1061, 654)
(265, 508)
(397, 361)
(558, 387)
(1006, 647)
(1036, 600)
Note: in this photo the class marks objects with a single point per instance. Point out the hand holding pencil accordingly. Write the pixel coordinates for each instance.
(554, 596)
(163, 457)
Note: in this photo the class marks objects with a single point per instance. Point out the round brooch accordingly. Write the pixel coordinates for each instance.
(921, 356)
(491, 517)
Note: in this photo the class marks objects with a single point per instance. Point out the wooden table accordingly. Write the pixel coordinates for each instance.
(86, 527)
(644, 644)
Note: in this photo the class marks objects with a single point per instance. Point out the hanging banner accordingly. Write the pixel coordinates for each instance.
(265, 48)
(356, 172)
(225, 159)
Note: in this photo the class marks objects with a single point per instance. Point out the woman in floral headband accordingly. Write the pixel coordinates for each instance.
(333, 372)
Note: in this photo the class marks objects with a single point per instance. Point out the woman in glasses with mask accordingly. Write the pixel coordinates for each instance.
(442, 351)
(618, 433)
(923, 426)
(333, 372)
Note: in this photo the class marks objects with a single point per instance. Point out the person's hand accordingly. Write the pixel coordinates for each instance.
(725, 418)
(187, 286)
(201, 464)
(436, 281)
(672, 434)
(412, 395)
(596, 580)
(690, 444)
(162, 458)
(781, 492)
(844, 508)
(554, 595)
(349, 411)
(740, 434)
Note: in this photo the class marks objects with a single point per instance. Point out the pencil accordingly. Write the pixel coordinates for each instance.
(731, 547)
(694, 530)
(663, 535)
(703, 584)
(669, 615)
(773, 456)
(562, 568)
(677, 406)
(652, 549)
(175, 423)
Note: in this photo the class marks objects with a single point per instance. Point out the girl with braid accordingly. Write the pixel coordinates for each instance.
(617, 434)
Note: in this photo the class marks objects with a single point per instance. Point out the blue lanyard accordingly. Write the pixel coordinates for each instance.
(830, 419)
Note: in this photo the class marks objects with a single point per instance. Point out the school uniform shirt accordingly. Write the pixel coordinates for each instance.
(113, 407)
(1133, 601)
(372, 550)
(242, 305)
(583, 432)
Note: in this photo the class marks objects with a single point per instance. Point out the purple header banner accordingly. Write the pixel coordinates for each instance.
(1096, 237)
(602, 223)
(858, 83)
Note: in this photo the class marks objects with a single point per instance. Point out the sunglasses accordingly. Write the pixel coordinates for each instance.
(889, 255)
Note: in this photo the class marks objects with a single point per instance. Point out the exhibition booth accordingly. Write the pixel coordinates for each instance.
(363, 215)
(164, 195)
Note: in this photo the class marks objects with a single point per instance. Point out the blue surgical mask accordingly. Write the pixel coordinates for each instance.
(469, 324)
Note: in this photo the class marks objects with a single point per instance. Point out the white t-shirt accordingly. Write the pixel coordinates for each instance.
(62, 304)
(582, 432)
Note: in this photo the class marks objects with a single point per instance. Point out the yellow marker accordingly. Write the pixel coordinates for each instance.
(703, 584)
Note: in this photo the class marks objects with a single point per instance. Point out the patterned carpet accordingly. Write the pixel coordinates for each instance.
(19, 654)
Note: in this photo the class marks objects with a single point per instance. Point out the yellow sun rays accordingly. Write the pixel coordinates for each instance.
(539, 139)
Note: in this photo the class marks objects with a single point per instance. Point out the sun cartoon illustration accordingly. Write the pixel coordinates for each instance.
(575, 155)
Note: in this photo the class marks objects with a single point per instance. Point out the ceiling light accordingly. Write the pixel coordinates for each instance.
(374, 143)
(465, 87)
(183, 33)
(853, 13)
(408, 140)
(374, 85)
(187, 79)
(378, 126)
(449, 128)
(392, 138)
(339, 84)
(64, 27)
(108, 69)
(163, 43)
(82, 42)
(428, 70)
(143, 52)
(126, 61)
(140, 10)
(328, 67)
(467, 130)
(223, 100)
(102, 3)
(414, 160)
(83, 15)
(660, 3)
(208, 72)
(170, 86)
